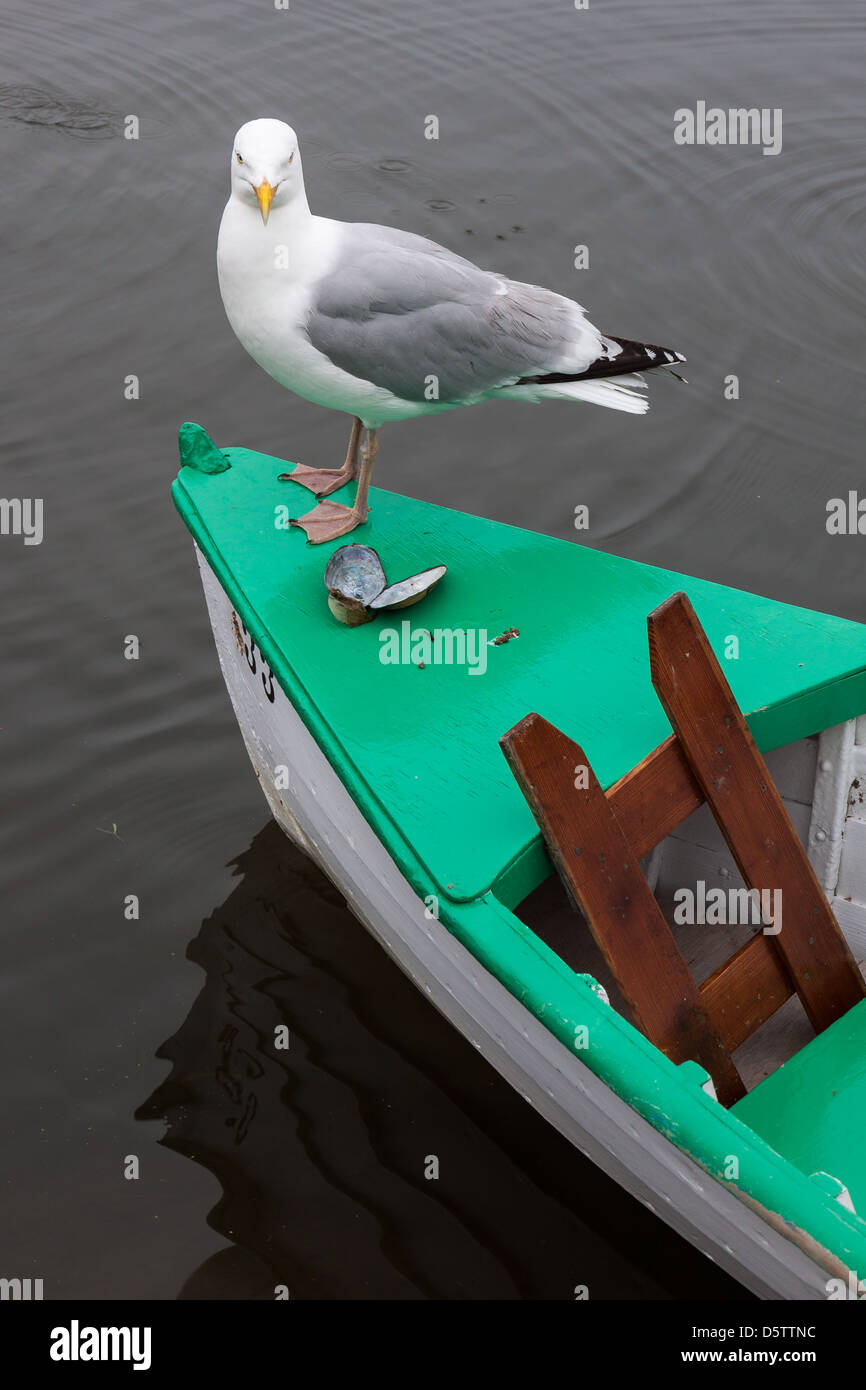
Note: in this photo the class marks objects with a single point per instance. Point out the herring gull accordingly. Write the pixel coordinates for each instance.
(386, 325)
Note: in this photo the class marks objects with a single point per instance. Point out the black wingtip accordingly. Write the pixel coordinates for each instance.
(618, 357)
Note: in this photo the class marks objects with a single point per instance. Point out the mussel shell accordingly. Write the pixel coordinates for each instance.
(355, 572)
(349, 611)
(408, 591)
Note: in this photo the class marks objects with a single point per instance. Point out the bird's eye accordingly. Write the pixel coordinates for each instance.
(291, 156)
(238, 158)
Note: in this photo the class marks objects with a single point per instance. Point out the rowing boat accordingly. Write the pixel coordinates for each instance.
(387, 771)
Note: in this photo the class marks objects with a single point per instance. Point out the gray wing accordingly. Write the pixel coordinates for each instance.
(397, 310)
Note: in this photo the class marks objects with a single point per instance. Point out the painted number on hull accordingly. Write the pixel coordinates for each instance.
(255, 660)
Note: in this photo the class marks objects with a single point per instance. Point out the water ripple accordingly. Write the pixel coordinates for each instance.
(85, 119)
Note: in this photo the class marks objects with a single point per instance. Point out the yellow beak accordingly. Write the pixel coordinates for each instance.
(265, 195)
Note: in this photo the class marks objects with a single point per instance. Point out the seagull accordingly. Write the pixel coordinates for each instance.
(386, 325)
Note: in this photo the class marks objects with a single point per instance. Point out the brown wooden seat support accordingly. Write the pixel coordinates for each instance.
(597, 839)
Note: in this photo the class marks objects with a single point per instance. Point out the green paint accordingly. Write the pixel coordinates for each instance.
(198, 451)
(423, 744)
(813, 1109)
(423, 765)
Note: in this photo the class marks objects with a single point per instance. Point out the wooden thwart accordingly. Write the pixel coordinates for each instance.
(596, 840)
(655, 797)
(746, 803)
(603, 877)
(746, 990)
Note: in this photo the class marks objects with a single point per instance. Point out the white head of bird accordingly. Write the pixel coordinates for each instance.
(266, 171)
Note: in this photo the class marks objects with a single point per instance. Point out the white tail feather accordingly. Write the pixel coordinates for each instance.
(617, 393)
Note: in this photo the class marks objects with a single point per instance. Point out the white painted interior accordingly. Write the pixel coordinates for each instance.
(823, 785)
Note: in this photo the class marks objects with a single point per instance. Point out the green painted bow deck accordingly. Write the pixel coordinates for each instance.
(418, 749)
(425, 742)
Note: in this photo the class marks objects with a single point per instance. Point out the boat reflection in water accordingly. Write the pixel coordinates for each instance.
(323, 1149)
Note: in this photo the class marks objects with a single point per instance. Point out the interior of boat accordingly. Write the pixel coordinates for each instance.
(801, 1087)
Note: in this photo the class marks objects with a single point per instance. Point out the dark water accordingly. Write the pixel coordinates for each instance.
(128, 777)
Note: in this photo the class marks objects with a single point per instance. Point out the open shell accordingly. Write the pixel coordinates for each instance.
(355, 572)
(408, 591)
(353, 577)
(358, 590)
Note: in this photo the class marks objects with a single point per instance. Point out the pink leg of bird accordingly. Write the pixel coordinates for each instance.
(323, 481)
(329, 520)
